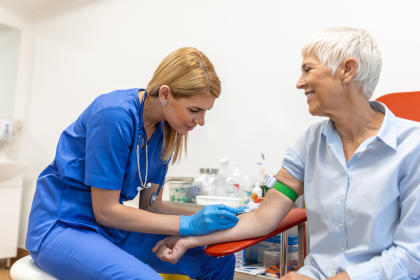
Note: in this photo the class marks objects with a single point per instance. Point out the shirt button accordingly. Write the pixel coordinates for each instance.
(341, 198)
(138, 189)
(342, 249)
(340, 225)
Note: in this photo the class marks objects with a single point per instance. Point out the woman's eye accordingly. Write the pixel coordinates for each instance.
(307, 69)
(193, 111)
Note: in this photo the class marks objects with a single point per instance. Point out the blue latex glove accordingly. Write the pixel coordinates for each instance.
(209, 219)
(241, 209)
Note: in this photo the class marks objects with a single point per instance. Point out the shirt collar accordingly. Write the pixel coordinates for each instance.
(389, 128)
(388, 131)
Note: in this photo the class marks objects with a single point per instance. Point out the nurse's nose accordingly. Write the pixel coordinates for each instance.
(200, 120)
(300, 83)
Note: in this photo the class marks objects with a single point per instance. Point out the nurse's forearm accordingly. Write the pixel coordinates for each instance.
(256, 223)
(162, 207)
(109, 212)
(133, 219)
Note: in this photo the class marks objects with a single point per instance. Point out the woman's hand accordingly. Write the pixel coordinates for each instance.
(171, 249)
(209, 219)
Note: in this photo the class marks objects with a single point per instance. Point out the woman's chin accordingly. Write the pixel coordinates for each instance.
(312, 113)
(182, 131)
(313, 110)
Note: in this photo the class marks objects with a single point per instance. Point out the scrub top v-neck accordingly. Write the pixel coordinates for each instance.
(99, 150)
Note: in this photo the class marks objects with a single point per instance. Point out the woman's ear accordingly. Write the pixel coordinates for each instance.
(164, 94)
(348, 70)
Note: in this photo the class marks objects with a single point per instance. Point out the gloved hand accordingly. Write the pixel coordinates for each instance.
(209, 219)
(241, 209)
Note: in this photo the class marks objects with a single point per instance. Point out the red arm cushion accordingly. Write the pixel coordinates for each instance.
(295, 217)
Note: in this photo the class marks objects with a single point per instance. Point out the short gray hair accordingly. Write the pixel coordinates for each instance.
(333, 45)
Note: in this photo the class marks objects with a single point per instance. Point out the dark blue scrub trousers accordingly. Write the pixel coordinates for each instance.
(78, 253)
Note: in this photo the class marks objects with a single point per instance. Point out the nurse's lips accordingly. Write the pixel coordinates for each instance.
(190, 127)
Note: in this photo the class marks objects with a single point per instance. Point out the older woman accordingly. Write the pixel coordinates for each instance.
(359, 171)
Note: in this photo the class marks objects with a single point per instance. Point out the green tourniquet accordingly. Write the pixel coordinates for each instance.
(286, 190)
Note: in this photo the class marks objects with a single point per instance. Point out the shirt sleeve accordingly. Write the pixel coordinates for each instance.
(293, 159)
(109, 134)
(402, 260)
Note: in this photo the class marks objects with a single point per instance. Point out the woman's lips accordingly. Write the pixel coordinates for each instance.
(190, 127)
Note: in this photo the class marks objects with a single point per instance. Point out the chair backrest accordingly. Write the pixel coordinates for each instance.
(403, 104)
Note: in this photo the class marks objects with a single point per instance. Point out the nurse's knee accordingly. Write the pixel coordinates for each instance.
(230, 262)
(225, 264)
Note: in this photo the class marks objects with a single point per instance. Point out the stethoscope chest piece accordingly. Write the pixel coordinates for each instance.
(153, 198)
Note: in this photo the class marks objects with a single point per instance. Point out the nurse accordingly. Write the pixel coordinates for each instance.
(121, 145)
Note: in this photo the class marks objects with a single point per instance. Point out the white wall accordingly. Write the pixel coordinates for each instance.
(254, 45)
(24, 62)
(21, 101)
(9, 54)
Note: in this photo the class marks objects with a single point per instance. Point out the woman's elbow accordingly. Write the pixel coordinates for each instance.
(103, 217)
(263, 225)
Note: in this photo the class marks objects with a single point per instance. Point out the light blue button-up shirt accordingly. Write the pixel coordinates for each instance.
(364, 214)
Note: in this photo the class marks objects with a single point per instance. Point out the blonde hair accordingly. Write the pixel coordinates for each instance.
(187, 72)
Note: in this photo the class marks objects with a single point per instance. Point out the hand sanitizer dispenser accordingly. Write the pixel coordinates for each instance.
(5, 130)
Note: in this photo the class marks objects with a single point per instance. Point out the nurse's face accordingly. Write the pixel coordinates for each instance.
(323, 91)
(184, 114)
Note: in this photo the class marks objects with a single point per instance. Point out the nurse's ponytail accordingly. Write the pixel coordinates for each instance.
(187, 72)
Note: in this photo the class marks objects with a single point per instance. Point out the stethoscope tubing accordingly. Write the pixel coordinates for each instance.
(144, 184)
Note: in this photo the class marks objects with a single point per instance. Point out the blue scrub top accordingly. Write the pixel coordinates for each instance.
(98, 149)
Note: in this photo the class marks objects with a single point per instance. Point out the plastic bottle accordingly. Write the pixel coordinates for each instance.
(246, 186)
(235, 184)
(200, 183)
(223, 186)
(256, 197)
(211, 186)
(240, 258)
(292, 252)
(260, 176)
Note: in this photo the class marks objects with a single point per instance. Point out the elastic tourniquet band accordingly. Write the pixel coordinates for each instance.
(280, 187)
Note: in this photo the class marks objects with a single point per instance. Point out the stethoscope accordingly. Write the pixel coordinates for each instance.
(144, 184)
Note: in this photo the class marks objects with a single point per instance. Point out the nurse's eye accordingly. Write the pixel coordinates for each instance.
(194, 110)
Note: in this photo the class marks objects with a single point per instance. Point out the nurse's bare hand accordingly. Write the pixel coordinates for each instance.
(295, 276)
(171, 249)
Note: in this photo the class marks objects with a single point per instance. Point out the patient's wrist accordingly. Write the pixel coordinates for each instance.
(189, 242)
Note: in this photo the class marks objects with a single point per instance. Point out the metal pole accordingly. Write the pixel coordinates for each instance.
(283, 256)
(301, 244)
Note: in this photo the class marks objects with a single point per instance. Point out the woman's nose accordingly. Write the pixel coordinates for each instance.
(300, 83)
(200, 120)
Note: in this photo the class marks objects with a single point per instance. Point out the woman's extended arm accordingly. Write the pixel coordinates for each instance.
(257, 223)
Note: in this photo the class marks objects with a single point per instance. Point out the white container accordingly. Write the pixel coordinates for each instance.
(211, 200)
